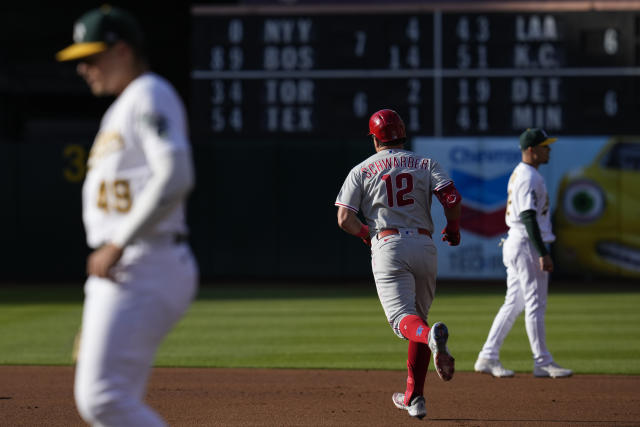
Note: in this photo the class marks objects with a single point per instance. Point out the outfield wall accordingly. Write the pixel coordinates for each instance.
(257, 211)
(265, 209)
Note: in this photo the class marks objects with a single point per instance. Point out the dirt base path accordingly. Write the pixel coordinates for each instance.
(40, 395)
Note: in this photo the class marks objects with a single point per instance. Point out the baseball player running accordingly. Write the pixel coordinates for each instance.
(527, 260)
(141, 275)
(392, 189)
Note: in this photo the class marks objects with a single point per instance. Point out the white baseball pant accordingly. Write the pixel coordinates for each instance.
(527, 288)
(123, 323)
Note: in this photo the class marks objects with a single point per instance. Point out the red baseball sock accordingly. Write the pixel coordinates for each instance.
(413, 328)
(418, 357)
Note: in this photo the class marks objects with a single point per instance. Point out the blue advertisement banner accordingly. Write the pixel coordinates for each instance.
(593, 187)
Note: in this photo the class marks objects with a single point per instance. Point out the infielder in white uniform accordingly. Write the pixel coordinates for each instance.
(142, 275)
(528, 262)
(393, 189)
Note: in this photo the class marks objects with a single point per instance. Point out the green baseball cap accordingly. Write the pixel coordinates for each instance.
(535, 136)
(100, 28)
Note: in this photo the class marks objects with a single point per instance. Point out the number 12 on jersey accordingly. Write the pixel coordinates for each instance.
(403, 186)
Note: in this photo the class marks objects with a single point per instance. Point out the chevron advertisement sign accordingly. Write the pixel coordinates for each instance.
(480, 168)
(483, 202)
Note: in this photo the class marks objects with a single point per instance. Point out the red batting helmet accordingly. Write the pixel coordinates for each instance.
(386, 125)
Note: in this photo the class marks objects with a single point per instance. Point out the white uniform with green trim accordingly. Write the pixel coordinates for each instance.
(125, 318)
(527, 284)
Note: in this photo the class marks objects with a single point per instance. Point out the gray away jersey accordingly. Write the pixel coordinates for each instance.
(393, 189)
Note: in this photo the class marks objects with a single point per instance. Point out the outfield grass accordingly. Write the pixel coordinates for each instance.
(326, 326)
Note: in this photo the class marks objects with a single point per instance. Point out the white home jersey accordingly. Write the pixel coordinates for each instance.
(526, 190)
(147, 117)
(393, 188)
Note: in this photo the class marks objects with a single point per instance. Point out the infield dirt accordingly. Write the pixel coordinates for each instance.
(41, 395)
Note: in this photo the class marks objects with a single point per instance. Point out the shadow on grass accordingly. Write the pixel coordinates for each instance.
(40, 293)
(305, 288)
(226, 289)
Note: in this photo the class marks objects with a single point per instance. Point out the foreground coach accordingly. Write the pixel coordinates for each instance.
(393, 190)
(142, 275)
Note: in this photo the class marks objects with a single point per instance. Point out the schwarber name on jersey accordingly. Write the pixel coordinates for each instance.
(393, 188)
(147, 117)
(526, 190)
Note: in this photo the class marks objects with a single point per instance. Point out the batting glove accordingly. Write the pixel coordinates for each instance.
(451, 233)
(364, 235)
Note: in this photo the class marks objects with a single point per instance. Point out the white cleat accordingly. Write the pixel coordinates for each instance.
(552, 370)
(416, 407)
(492, 367)
(445, 363)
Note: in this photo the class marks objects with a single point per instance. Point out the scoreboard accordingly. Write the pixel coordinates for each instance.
(323, 70)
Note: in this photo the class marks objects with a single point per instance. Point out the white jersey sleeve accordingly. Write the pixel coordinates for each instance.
(160, 120)
(350, 194)
(439, 178)
(170, 181)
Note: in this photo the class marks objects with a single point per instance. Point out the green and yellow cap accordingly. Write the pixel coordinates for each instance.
(533, 137)
(100, 28)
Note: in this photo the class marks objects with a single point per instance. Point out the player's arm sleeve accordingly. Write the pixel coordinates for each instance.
(444, 188)
(172, 179)
(350, 194)
(160, 124)
(528, 218)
